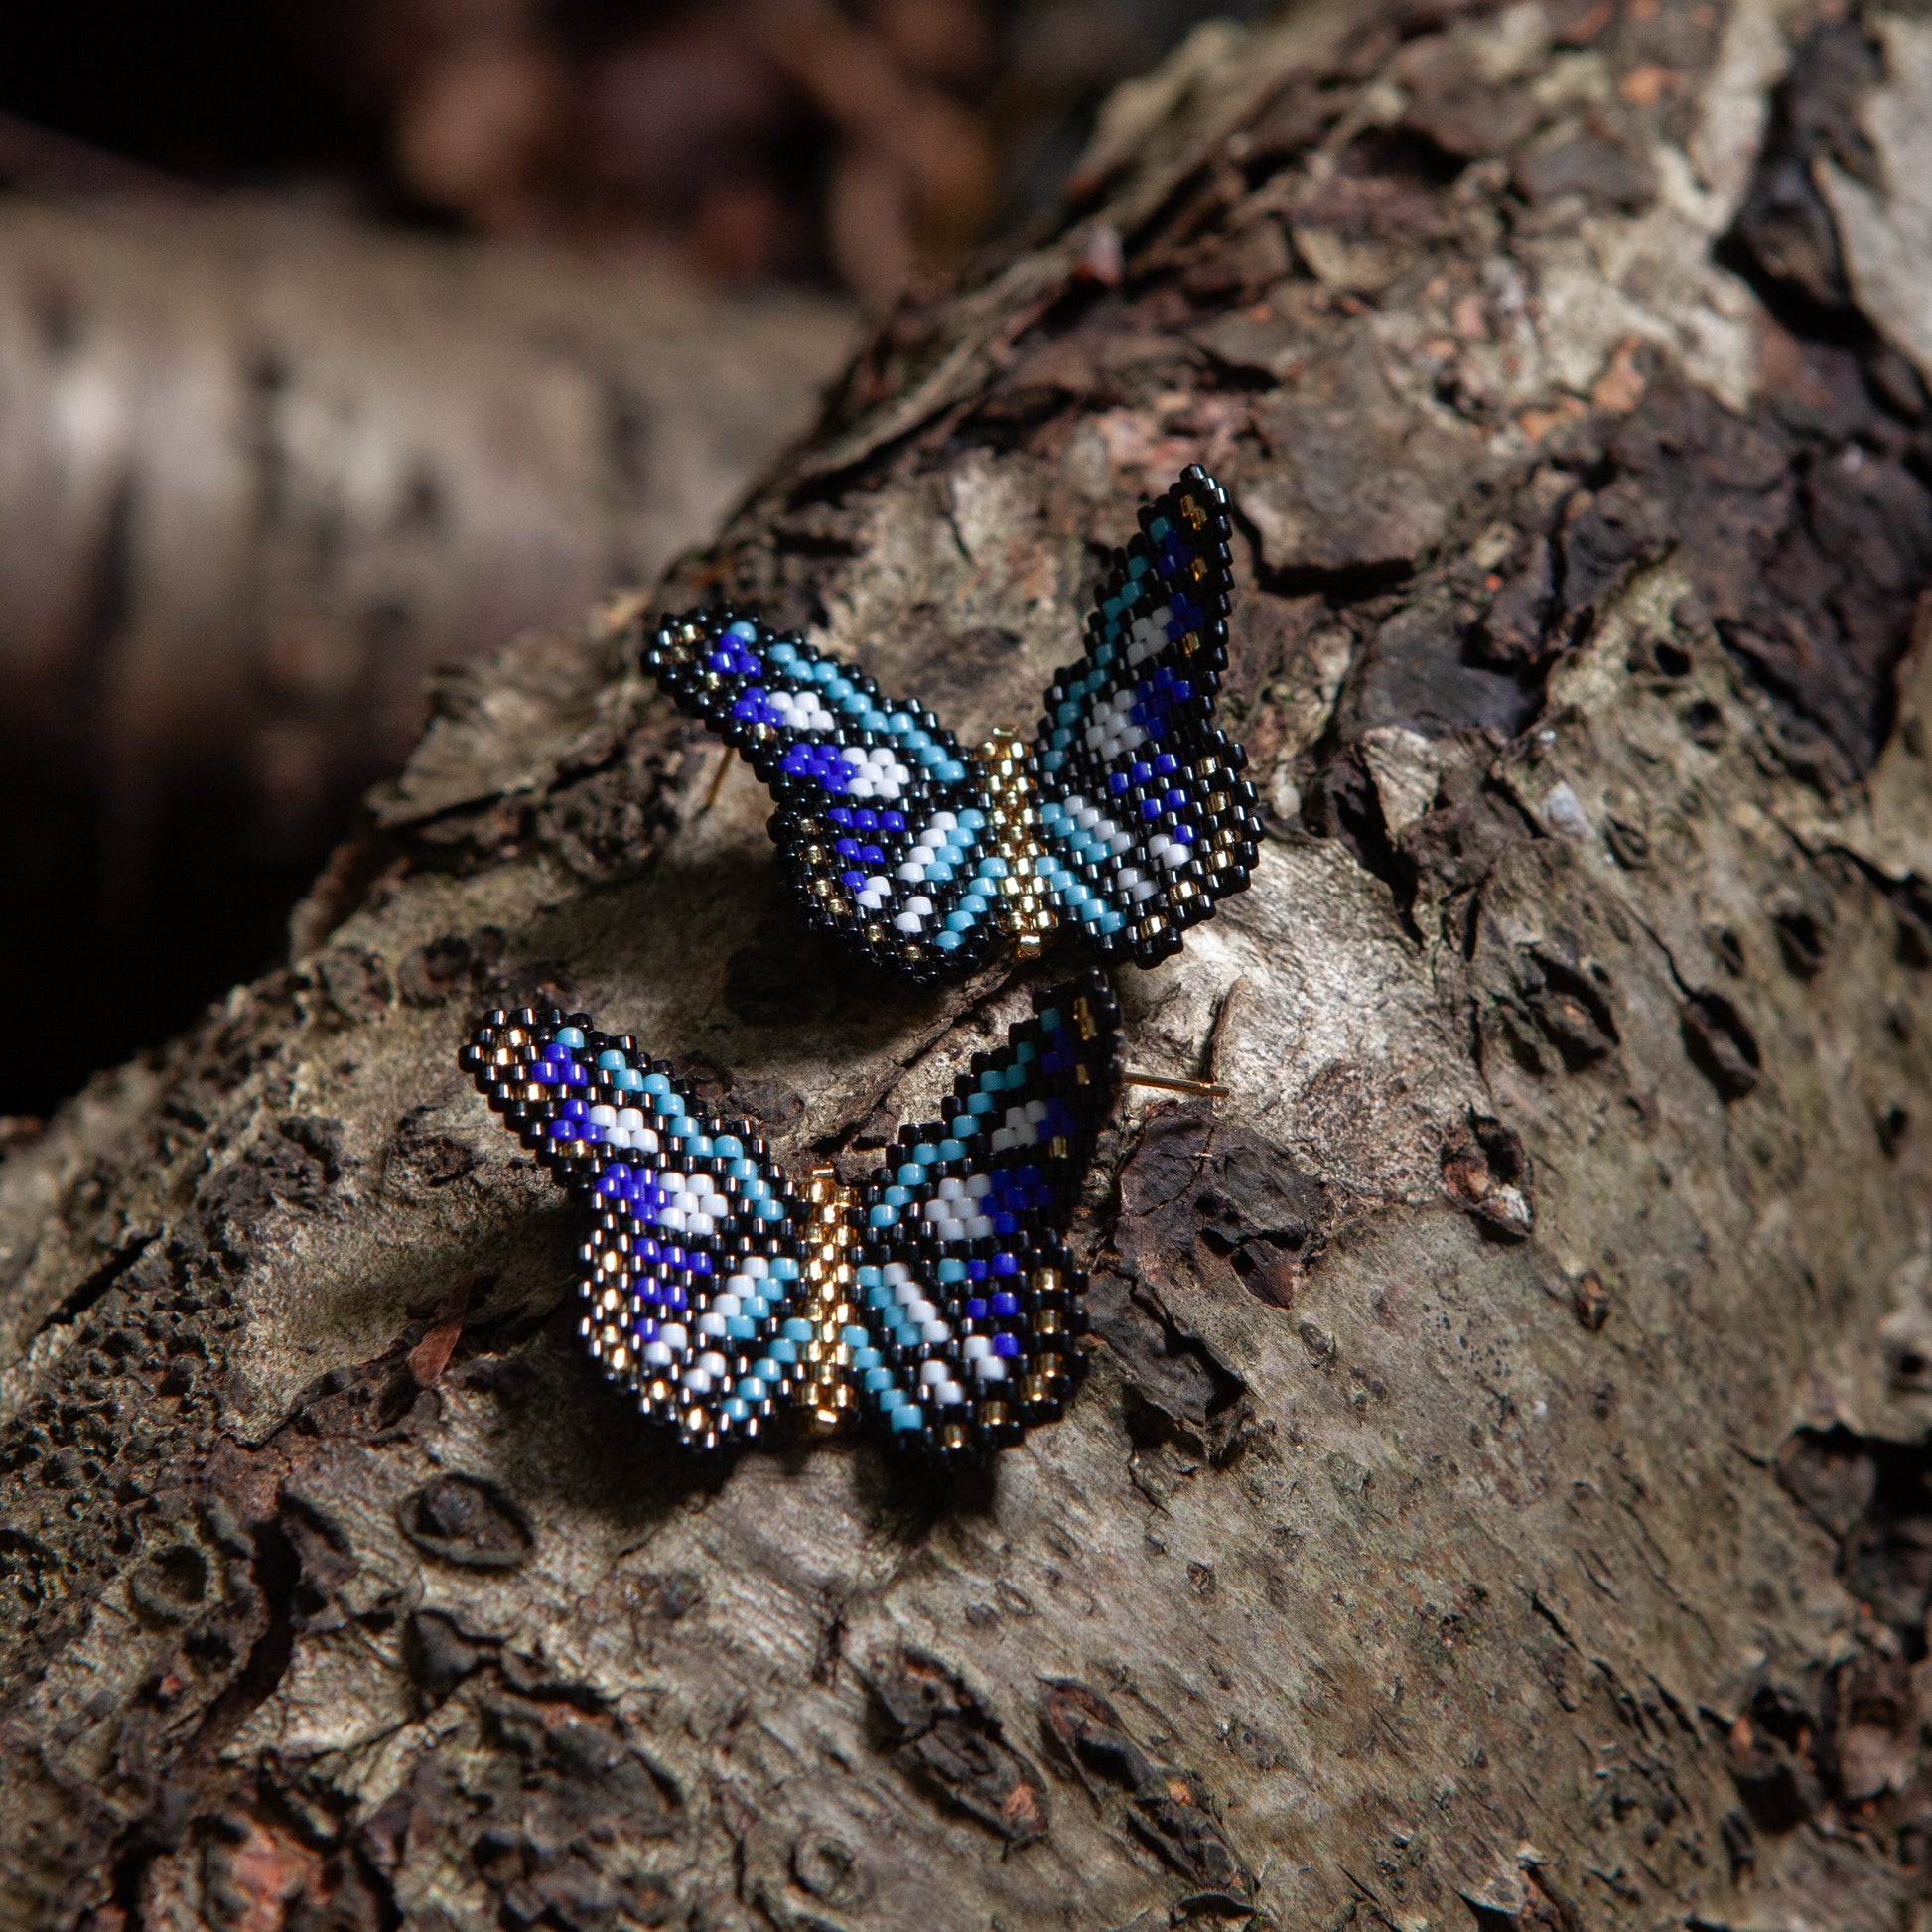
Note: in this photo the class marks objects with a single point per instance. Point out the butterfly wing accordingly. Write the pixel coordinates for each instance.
(1145, 815)
(694, 1257)
(970, 1308)
(883, 821)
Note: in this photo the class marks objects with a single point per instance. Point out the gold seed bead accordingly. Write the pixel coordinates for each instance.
(1022, 910)
(826, 1380)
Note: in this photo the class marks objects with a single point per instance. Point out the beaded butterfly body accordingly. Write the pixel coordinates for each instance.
(938, 1301)
(1127, 817)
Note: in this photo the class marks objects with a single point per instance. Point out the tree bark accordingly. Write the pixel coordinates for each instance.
(1501, 1493)
(264, 473)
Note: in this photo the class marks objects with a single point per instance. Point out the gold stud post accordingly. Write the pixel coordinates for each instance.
(1208, 1089)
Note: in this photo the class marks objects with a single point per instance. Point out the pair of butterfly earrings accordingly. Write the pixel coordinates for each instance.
(938, 1301)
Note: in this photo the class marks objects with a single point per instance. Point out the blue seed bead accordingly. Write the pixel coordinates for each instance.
(870, 1276)
(728, 1143)
(736, 1409)
(569, 1037)
(910, 1175)
(740, 1328)
(784, 1350)
(889, 1397)
(769, 1369)
(948, 941)
(656, 1083)
(864, 1359)
(952, 1150)
(909, 1415)
(853, 1337)
(882, 1218)
(877, 1380)
(750, 1389)
(952, 1269)
(896, 1196)
(611, 1059)
(797, 1331)
(784, 1268)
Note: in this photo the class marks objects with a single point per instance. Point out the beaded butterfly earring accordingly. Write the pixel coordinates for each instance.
(938, 1301)
(1127, 817)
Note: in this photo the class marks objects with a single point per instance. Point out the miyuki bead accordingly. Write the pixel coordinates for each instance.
(1125, 818)
(938, 1301)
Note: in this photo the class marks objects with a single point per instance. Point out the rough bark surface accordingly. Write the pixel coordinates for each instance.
(261, 475)
(1501, 1498)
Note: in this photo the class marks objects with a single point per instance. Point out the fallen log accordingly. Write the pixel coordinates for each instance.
(1500, 1491)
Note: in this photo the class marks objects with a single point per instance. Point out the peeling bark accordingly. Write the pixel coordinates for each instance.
(1501, 1492)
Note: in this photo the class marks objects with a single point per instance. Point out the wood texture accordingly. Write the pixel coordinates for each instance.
(1500, 1495)
(263, 473)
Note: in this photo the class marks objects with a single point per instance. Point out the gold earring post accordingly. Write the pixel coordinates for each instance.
(1210, 1089)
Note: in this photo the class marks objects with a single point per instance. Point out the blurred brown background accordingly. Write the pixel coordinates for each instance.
(340, 341)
